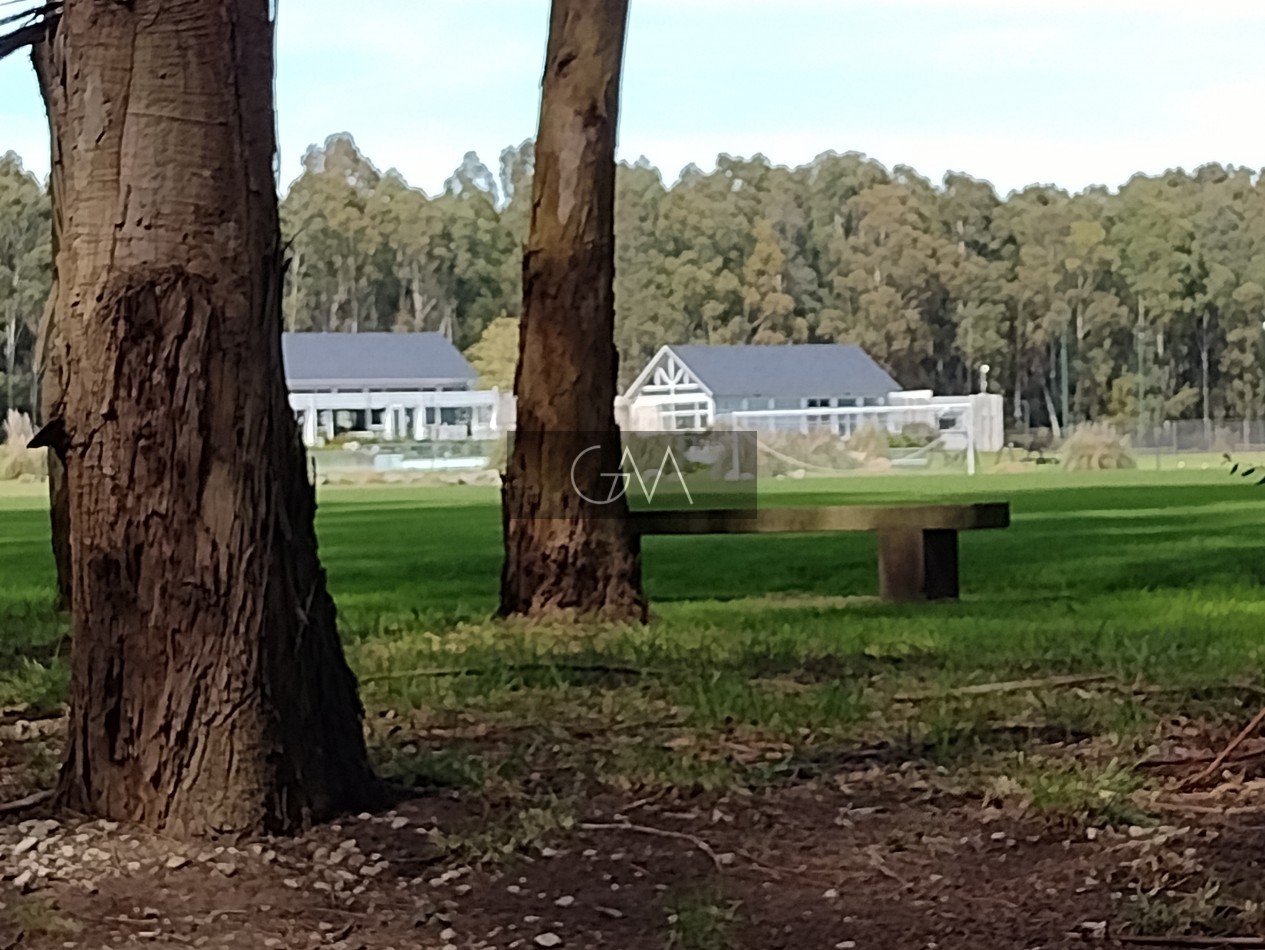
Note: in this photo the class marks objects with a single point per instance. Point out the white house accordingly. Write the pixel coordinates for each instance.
(695, 386)
(392, 385)
(808, 387)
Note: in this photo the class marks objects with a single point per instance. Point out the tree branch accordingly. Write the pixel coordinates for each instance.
(657, 833)
(596, 668)
(22, 38)
(22, 804)
(1211, 770)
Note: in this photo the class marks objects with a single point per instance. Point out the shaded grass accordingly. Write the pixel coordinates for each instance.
(700, 921)
(526, 827)
(36, 917)
(1072, 792)
(775, 643)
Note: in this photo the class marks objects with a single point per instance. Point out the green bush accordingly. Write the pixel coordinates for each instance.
(1096, 446)
(914, 435)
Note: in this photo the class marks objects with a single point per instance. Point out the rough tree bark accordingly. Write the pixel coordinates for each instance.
(209, 689)
(562, 557)
(50, 363)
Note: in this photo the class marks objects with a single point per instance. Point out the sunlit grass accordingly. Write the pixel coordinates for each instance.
(1140, 575)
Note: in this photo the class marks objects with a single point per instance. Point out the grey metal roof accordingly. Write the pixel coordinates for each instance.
(803, 370)
(372, 360)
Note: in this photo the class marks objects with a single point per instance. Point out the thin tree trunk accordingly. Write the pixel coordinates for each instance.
(1017, 410)
(561, 555)
(1203, 366)
(209, 691)
(294, 275)
(10, 352)
(1064, 382)
(1055, 428)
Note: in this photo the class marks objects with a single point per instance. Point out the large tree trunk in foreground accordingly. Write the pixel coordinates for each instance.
(209, 689)
(563, 556)
(50, 367)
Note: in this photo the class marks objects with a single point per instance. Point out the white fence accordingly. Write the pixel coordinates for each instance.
(392, 416)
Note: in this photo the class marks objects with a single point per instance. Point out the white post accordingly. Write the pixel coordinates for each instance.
(388, 423)
(309, 426)
(970, 440)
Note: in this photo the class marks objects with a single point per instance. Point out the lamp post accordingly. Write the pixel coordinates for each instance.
(983, 377)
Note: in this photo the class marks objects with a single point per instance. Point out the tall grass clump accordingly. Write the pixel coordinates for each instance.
(788, 453)
(1096, 446)
(869, 442)
(16, 458)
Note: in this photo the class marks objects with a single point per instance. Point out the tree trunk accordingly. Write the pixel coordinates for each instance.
(209, 691)
(295, 277)
(1017, 410)
(563, 556)
(49, 364)
(1055, 429)
(10, 351)
(1064, 382)
(1205, 391)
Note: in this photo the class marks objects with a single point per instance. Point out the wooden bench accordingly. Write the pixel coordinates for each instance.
(917, 544)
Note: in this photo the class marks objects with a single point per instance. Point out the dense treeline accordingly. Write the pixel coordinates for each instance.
(1145, 301)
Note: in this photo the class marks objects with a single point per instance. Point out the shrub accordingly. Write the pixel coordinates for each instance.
(1096, 446)
(796, 454)
(869, 442)
(16, 459)
(499, 454)
(914, 435)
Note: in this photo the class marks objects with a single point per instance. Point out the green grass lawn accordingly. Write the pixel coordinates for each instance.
(771, 668)
(1145, 573)
(769, 658)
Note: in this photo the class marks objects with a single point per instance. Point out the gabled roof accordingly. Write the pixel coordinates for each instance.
(792, 370)
(372, 360)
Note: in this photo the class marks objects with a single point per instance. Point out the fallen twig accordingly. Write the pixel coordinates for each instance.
(877, 862)
(1225, 753)
(1199, 760)
(1010, 686)
(641, 802)
(11, 717)
(22, 804)
(776, 871)
(1195, 941)
(525, 668)
(1189, 808)
(658, 833)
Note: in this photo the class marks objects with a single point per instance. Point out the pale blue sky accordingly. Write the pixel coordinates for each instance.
(1073, 92)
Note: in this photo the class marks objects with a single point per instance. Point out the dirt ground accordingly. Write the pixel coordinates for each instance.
(885, 856)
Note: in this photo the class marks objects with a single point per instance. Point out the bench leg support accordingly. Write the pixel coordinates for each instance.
(940, 564)
(914, 564)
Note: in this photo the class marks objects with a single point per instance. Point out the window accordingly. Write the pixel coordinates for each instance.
(685, 416)
(816, 421)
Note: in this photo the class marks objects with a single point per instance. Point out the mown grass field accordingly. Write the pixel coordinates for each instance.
(774, 693)
(1135, 574)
